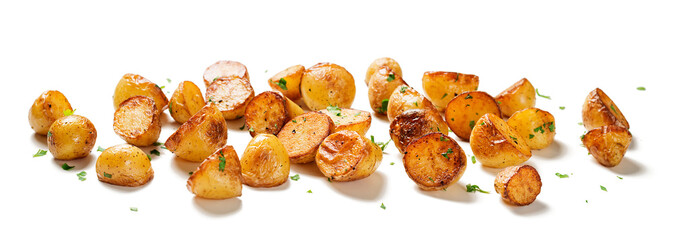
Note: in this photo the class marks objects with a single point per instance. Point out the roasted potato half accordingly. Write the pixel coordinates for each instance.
(382, 84)
(608, 144)
(48, 107)
(406, 98)
(200, 136)
(496, 144)
(265, 162)
(231, 96)
(518, 185)
(327, 84)
(185, 101)
(434, 161)
(266, 113)
(287, 81)
(225, 69)
(413, 124)
(599, 110)
(441, 87)
(348, 156)
(71, 137)
(517, 97)
(380, 63)
(535, 126)
(349, 119)
(124, 165)
(137, 121)
(218, 177)
(133, 85)
(303, 134)
(463, 111)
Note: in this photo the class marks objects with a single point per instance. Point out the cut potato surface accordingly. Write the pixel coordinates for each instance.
(380, 63)
(303, 134)
(200, 136)
(348, 156)
(287, 81)
(495, 144)
(265, 162)
(218, 177)
(185, 101)
(137, 121)
(599, 110)
(266, 113)
(231, 96)
(133, 85)
(535, 126)
(441, 87)
(48, 107)
(225, 69)
(124, 165)
(382, 84)
(406, 98)
(413, 124)
(463, 111)
(517, 97)
(71, 137)
(434, 161)
(608, 144)
(518, 185)
(349, 119)
(327, 84)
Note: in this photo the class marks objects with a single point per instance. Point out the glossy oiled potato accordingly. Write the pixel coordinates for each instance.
(495, 144)
(303, 134)
(608, 144)
(268, 112)
(441, 87)
(71, 137)
(231, 96)
(124, 165)
(327, 84)
(348, 156)
(185, 102)
(48, 107)
(518, 185)
(200, 136)
(218, 177)
(382, 62)
(265, 162)
(349, 119)
(382, 84)
(599, 110)
(463, 111)
(536, 127)
(406, 98)
(287, 81)
(517, 97)
(225, 69)
(132, 85)
(137, 121)
(413, 124)
(434, 161)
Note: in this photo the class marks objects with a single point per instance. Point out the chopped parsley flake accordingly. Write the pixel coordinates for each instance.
(383, 206)
(641, 88)
(620, 177)
(157, 144)
(403, 89)
(295, 177)
(223, 162)
(148, 157)
(474, 188)
(251, 129)
(392, 163)
(391, 77)
(612, 106)
(68, 112)
(134, 209)
(282, 83)
(445, 94)
(81, 175)
(474, 159)
(443, 139)
(169, 80)
(334, 110)
(294, 121)
(384, 106)
(40, 153)
(66, 167)
(531, 136)
(603, 188)
(49, 134)
(155, 152)
(468, 96)
(242, 127)
(471, 124)
(107, 175)
(562, 107)
(562, 175)
(446, 154)
(382, 145)
(538, 93)
(309, 191)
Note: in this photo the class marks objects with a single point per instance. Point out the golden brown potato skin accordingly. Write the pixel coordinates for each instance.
(599, 110)
(200, 136)
(185, 101)
(495, 144)
(381, 86)
(327, 84)
(380, 63)
(48, 107)
(348, 156)
(225, 69)
(132, 84)
(71, 137)
(303, 134)
(350, 119)
(231, 95)
(212, 182)
(441, 87)
(536, 127)
(266, 113)
(608, 144)
(519, 96)
(413, 124)
(124, 165)
(463, 111)
(406, 98)
(518, 185)
(265, 162)
(292, 77)
(434, 161)
(137, 121)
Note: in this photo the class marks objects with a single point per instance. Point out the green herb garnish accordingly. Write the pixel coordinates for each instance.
(282, 83)
(100, 149)
(223, 162)
(40, 153)
(107, 175)
(471, 124)
(251, 129)
(562, 175)
(641, 88)
(334, 110)
(81, 175)
(443, 96)
(135, 209)
(603, 188)
(468, 96)
(562, 107)
(612, 106)
(155, 152)
(446, 154)
(169, 80)
(474, 159)
(620, 177)
(295, 177)
(531, 136)
(403, 89)
(157, 144)
(391, 77)
(474, 188)
(392, 163)
(68, 112)
(49, 134)
(384, 106)
(383, 206)
(309, 191)
(67, 167)
(538, 93)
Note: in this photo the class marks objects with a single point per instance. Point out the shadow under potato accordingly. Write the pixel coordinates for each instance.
(456, 193)
(309, 169)
(554, 151)
(536, 208)
(217, 207)
(78, 164)
(183, 167)
(627, 167)
(40, 141)
(368, 189)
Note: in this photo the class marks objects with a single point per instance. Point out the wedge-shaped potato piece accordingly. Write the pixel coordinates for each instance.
(185, 102)
(71, 137)
(608, 144)
(200, 136)
(463, 111)
(434, 161)
(137, 121)
(303, 134)
(287, 81)
(231, 96)
(413, 124)
(48, 107)
(265, 162)
(218, 177)
(124, 165)
(348, 156)
(133, 85)
(441, 87)
(225, 69)
(380, 63)
(382, 84)
(496, 144)
(517, 97)
(327, 84)
(267, 113)
(518, 185)
(535, 126)
(599, 110)
(406, 98)
(293, 109)
(349, 119)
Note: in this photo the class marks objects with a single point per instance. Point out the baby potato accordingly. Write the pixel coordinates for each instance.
(185, 101)
(441, 87)
(348, 156)
(382, 84)
(303, 134)
(218, 177)
(495, 144)
(71, 137)
(287, 82)
(434, 161)
(518, 185)
(132, 85)
(231, 96)
(225, 69)
(48, 107)
(200, 136)
(517, 97)
(265, 162)
(349, 119)
(266, 113)
(137, 121)
(293, 109)
(413, 124)
(380, 63)
(608, 144)
(535, 126)
(327, 84)
(406, 98)
(124, 165)
(463, 111)
(599, 110)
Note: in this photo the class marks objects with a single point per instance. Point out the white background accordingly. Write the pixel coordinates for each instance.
(565, 49)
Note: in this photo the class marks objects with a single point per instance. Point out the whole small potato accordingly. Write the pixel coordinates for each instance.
(406, 98)
(124, 165)
(225, 69)
(71, 137)
(535, 126)
(287, 81)
(185, 101)
(495, 144)
(517, 97)
(599, 110)
(327, 84)
(48, 107)
(463, 111)
(265, 162)
(381, 85)
(441, 87)
(382, 62)
(132, 85)
(518, 185)
(348, 156)
(608, 144)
